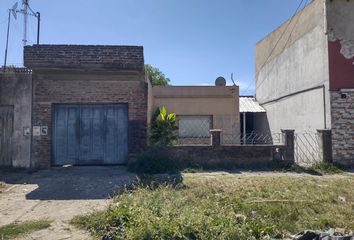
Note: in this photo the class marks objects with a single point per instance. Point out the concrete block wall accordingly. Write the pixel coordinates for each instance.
(342, 108)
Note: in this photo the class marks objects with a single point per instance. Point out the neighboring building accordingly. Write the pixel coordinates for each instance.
(305, 80)
(15, 117)
(200, 109)
(80, 105)
(251, 115)
(85, 105)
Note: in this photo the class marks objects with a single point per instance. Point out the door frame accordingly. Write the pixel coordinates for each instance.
(10, 141)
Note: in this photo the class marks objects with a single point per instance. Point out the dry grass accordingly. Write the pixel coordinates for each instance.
(2, 187)
(229, 206)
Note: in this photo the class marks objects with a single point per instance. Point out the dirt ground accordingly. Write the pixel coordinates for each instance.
(59, 194)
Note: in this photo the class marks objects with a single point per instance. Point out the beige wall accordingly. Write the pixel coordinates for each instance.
(220, 102)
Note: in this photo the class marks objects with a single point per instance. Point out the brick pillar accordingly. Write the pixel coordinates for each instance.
(326, 144)
(289, 137)
(215, 135)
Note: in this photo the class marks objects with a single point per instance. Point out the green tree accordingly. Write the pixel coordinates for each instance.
(163, 128)
(156, 77)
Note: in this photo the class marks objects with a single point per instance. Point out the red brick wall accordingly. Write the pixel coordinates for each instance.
(84, 56)
(49, 89)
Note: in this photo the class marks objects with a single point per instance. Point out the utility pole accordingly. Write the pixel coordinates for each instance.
(13, 11)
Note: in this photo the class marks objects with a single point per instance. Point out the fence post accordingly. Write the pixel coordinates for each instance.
(215, 135)
(289, 136)
(326, 144)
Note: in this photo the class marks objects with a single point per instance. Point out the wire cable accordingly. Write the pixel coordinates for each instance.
(277, 42)
(286, 43)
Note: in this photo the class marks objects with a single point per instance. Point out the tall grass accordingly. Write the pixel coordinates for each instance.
(228, 207)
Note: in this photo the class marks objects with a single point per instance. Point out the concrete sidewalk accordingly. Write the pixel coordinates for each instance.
(59, 194)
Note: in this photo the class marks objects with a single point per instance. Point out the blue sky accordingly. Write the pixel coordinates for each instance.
(191, 41)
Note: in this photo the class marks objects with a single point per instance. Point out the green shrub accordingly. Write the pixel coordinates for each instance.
(154, 160)
(163, 131)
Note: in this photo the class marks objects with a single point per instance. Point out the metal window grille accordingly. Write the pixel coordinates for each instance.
(194, 130)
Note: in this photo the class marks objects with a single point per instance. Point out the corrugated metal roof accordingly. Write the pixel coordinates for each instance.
(249, 104)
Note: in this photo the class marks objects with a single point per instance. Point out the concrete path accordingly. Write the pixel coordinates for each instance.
(59, 194)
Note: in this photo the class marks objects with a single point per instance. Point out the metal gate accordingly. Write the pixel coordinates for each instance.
(90, 134)
(307, 148)
(6, 131)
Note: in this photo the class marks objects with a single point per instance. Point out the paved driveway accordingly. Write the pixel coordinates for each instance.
(59, 194)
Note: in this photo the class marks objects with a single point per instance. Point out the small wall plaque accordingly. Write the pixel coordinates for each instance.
(44, 130)
(26, 131)
(36, 131)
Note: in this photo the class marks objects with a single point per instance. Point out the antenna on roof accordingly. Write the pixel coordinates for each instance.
(232, 79)
(26, 13)
(14, 14)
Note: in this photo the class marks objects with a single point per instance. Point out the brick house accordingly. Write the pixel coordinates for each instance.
(89, 105)
(100, 88)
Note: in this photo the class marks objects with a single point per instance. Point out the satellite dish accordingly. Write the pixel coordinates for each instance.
(13, 10)
(220, 82)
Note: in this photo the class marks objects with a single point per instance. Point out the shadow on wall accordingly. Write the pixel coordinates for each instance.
(72, 183)
(261, 123)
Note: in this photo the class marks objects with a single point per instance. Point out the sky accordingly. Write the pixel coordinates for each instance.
(192, 41)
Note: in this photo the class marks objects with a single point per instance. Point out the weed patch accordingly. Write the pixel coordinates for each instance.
(321, 168)
(228, 206)
(18, 229)
(155, 160)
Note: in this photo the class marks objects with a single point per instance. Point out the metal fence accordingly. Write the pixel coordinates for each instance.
(308, 149)
(253, 138)
(229, 139)
(307, 145)
(195, 130)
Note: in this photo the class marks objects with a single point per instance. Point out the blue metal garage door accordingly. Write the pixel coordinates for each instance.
(90, 134)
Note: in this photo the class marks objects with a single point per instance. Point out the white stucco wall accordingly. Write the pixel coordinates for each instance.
(297, 67)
